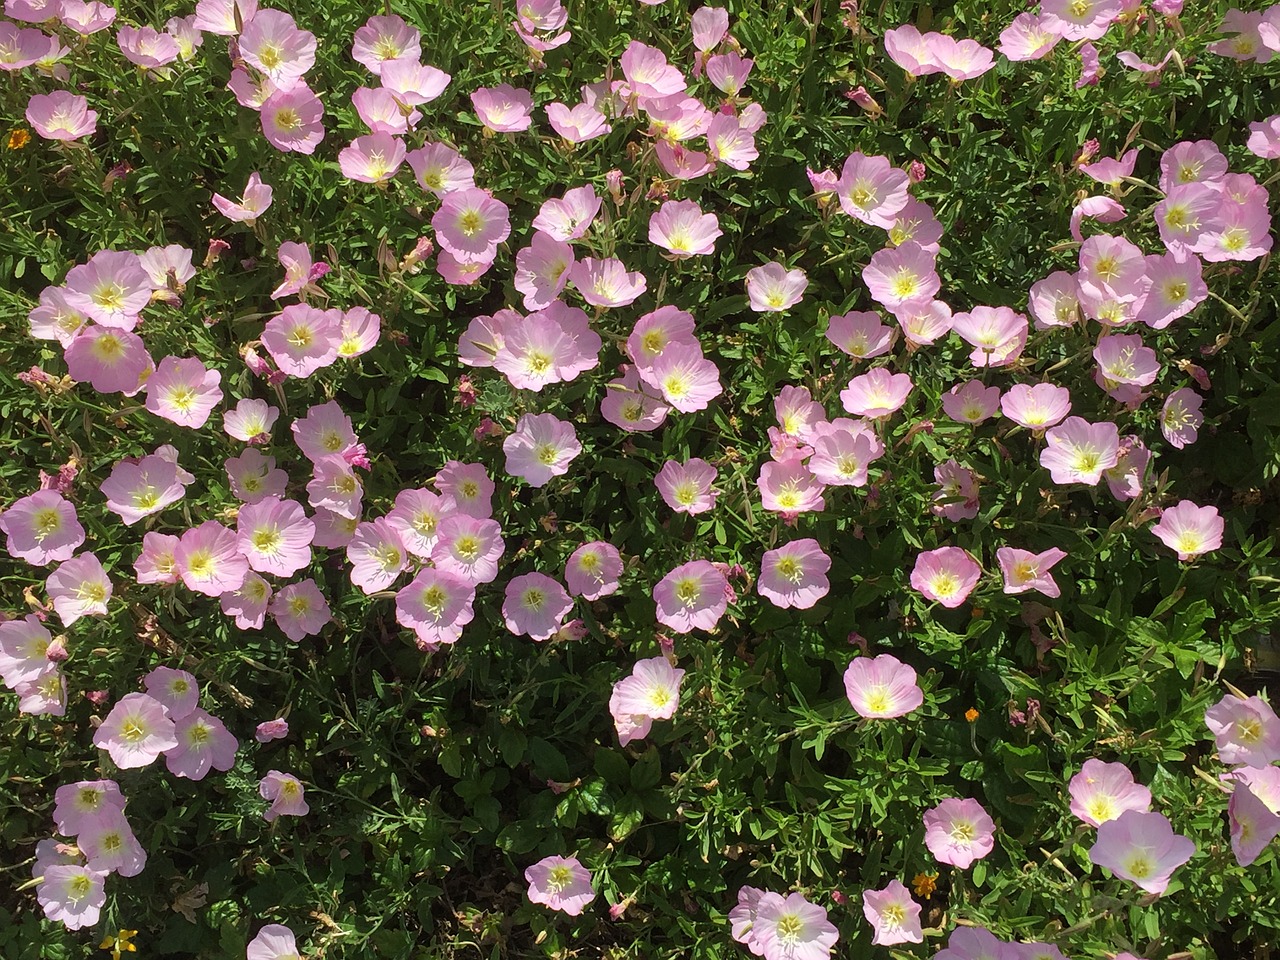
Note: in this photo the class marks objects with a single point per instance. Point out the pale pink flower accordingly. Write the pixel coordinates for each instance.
(441, 169)
(560, 883)
(24, 649)
(335, 486)
(76, 805)
(1078, 451)
(44, 694)
(333, 531)
(794, 575)
(286, 793)
(185, 34)
(436, 606)
(270, 730)
(1186, 213)
(1110, 171)
(958, 59)
(503, 109)
(109, 360)
(156, 562)
(541, 447)
(469, 548)
(789, 488)
(1141, 847)
(276, 46)
(136, 731)
(249, 604)
(957, 494)
(300, 609)
(882, 687)
(221, 16)
(922, 321)
(89, 17)
(1102, 209)
(1028, 38)
(651, 692)
(1125, 479)
(251, 421)
(873, 190)
(592, 571)
(253, 202)
(792, 928)
(111, 288)
(893, 914)
(860, 334)
(648, 73)
(254, 475)
(250, 90)
(183, 391)
(470, 224)
(291, 120)
(681, 228)
(631, 404)
(728, 72)
(275, 536)
(324, 432)
(946, 575)
(743, 917)
(377, 555)
(692, 596)
(302, 339)
(1036, 407)
(380, 112)
(772, 288)
(1244, 234)
(372, 159)
(1055, 300)
(469, 486)
(655, 330)
(484, 337)
(1079, 19)
(416, 516)
(907, 48)
(682, 163)
(570, 217)
(1177, 287)
(42, 528)
(687, 380)
(1246, 730)
(72, 895)
(687, 487)
(997, 334)
(897, 275)
(1191, 161)
(1253, 824)
(579, 123)
(606, 283)
(55, 318)
(204, 744)
(209, 561)
(1190, 530)
(146, 47)
(1024, 570)
(79, 587)
(60, 115)
(1102, 791)
(730, 142)
(915, 221)
(542, 270)
(708, 26)
(385, 38)
(535, 605)
(958, 832)
(550, 346)
(843, 451)
(1264, 138)
(797, 413)
(411, 82)
(273, 942)
(1180, 418)
(876, 393)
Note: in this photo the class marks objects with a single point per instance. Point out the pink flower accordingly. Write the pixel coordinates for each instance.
(253, 475)
(876, 393)
(435, 606)
(792, 928)
(273, 942)
(561, 883)
(301, 339)
(285, 791)
(1079, 19)
(1264, 138)
(55, 318)
(1190, 530)
(335, 486)
(1246, 730)
(109, 360)
(86, 18)
(470, 224)
(183, 391)
(204, 743)
(1090, 66)
(729, 142)
(957, 494)
(136, 731)
(441, 169)
(882, 687)
(997, 335)
(606, 283)
(358, 332)
(72, 895)
(541, 447)
(958, 832)
(377, 555)
(692, 596)
(648, 73)
(728, 72)
(275, 536)
(156, 563)
(1177, 287)
(683, 230)
(794, 575)
(872, 190)
(112, 288)
(631, 404)
(209, 561)
(898, 275)
(542, 270)
(772, 288)
(380, 112)
(251, 421)
(503, 109)
(300, 610)
(1028, 38)
(42, 528)
(469, 548)
(958, 59)
(971, 402)
(249, 604)
(790, 488)
(1180, 418)
(946, 575)
(568, 218)
(253, 202)
(1078, 451)
(1055, 300)
(1198, 161)
(274, 44)
(385, 38)
(1125, 479)
(79, 587)
(1036, 407)
(592, 571)
(651, 692)
(270, 730)
(24, 650)
(797, 413)
(860, 334)
(1253, 825)
(909, 50)
(1142, 848)
(291, 120)
(550, 346)
(687, 380)
(76, 805)
(416, 518)
(708, 26)
(1102, 791)
(60, 115)
(842, 453)
(146, 47)
(686, 487)
(1024, 570)
(411, 82)
(535, 606)
(579, 123)
(893, 914)
(372, 159)
(469, 486)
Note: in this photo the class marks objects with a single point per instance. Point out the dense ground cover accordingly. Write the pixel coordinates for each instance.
(953, 230)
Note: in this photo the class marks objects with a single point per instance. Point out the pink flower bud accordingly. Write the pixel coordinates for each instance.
(917, 172)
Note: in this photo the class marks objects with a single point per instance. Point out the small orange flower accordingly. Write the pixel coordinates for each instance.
(971, 715)
(18, 139)
(924, 884)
